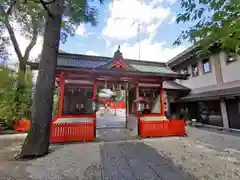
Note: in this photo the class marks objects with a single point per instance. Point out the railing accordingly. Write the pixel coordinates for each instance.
(75, 128)
(156, 128)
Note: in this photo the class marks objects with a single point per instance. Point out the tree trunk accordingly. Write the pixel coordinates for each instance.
(37, 141)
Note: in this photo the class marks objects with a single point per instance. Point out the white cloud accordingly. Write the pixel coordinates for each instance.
(125, 16)
(108, 43)
(80, 30)
(173, 20)
(171, 1)
(91, 53)
(150, 51)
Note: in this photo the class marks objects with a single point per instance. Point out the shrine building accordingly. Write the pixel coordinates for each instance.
(149, 90)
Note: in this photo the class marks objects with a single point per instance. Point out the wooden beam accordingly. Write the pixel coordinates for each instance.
(162, 100)
(61, 97)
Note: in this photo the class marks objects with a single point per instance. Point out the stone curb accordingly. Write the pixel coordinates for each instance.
(13, 136)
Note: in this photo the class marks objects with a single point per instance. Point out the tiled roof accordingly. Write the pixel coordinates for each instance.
(174, 85)
(80, 63)
(212, 94)
(66, 60)
(84, 61)
(150, 68)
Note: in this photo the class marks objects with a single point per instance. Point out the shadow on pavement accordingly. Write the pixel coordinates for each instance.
(136, 160)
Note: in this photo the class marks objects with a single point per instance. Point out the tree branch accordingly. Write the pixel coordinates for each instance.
(13, 38)
(44, 4)
(10, 29)
(32, 42)
(49, 2)
(13, 2)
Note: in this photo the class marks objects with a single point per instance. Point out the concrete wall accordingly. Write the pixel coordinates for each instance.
(230, 71)
(203, 79)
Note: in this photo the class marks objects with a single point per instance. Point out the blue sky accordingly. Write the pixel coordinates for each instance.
(118, 24)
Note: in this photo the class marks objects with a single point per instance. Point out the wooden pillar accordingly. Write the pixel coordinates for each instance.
(136, 107)
(61, 98)
(94, 113)
(137, 96)
(162, 100)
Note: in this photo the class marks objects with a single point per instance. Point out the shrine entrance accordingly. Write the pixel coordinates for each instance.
(111, 111)
(101, 93)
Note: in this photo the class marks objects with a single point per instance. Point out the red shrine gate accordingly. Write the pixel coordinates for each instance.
(76, 119)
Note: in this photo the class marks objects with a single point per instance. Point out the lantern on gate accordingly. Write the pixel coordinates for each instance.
(140, 104)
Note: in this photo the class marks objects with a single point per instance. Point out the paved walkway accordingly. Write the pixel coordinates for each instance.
(114, 134)
(136, 161)
(110, 120)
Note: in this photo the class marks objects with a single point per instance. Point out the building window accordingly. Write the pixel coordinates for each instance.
(231, 58)
(206, 66)
(195, 71)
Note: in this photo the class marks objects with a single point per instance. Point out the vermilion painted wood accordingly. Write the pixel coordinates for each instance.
(95, 114)
(162, 100)
(162, 128)
(177, 127)
(117, 105)
(21, 125)
(61, 97)
(111, 73)
(72, 132)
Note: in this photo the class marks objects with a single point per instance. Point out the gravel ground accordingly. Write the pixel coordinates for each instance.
(204, 154)
(68, 162)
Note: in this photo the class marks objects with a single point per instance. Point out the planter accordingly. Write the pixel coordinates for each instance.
(21, 125)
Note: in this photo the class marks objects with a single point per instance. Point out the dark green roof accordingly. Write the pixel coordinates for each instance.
(85, 61)
(67, 60)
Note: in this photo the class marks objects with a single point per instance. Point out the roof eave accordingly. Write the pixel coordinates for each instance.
(178, 59)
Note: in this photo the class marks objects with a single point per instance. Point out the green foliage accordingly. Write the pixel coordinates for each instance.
(76, 12)
(31, 15)
(55, 101)
(29, 19)
(8, 103)
(214, 21)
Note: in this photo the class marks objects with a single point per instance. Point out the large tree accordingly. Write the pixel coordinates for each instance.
(29, 21)
(60, 13)
(212, 21)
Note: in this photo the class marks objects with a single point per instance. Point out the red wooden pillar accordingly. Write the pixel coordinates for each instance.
(60, 106)
(137, 96)
(136, 108)
(162, 100)
(94, 113)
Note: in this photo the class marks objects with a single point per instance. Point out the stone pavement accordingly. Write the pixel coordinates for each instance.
(114, 134)
(109, 120)
(136, 161)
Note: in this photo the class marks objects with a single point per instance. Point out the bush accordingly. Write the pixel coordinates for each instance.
(14, 102)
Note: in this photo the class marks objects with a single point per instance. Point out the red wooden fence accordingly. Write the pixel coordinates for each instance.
(162, 128)
(70, 132)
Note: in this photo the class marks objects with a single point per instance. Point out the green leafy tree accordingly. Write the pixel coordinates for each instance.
(213, 21)
(62, 18)
(8, 105)
(30, 21)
